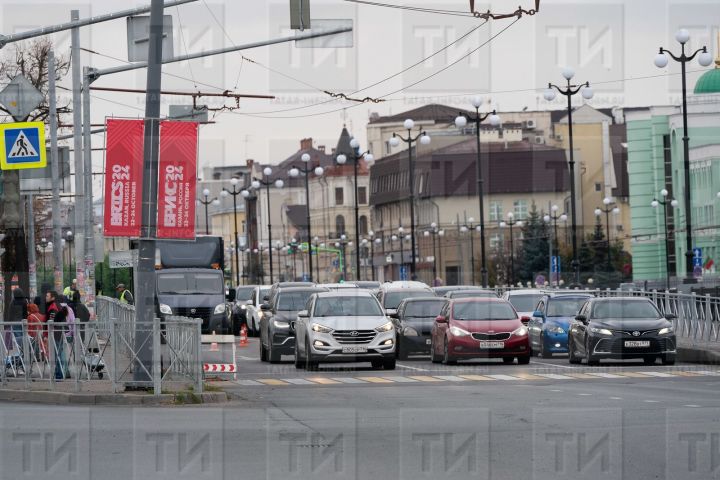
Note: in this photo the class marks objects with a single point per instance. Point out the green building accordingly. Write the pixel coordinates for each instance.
(655, 162)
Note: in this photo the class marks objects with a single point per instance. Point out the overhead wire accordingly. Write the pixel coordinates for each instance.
(456, 13)
(182, 38)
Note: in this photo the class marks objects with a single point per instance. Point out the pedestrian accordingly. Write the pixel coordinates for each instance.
(124, 295)
(71, 288)
(35, 330)
(82, 314)
(57, 314)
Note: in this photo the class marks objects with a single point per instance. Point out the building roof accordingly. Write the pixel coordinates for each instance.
(709, 82)
(434, 112)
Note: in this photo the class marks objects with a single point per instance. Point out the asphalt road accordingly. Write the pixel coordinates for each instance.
(484, 420)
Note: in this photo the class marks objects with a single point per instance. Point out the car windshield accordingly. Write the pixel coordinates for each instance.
(564, 307)
(525, 302)
(189, 283)
(264, 292)
(422, 309)
(347, 307)
(483, 311)
(293, 301)
(624, 310)
(472, 293)
(393, 299)
(244, 293)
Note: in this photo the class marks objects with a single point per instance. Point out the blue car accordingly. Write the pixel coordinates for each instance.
(550, 322)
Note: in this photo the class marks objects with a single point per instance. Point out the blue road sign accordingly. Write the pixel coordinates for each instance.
(697, 257)
(336, 263)
(305, 277)
(23, 145)
(403, 272)
(555, 264)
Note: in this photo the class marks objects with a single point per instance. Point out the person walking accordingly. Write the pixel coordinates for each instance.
(58, 314)
(35, 332)
(82, 314)
(124, 295)
(68, 291)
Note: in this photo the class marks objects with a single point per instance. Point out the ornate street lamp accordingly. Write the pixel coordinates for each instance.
(266, 182)
(554, 217)
(665, 202)
(234, 192)
(469, 227)
(608, 207)
(294, 173)
(206, 201)
(511, 222)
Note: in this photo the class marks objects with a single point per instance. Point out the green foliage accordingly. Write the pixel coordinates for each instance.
(532, 253)
(106, 279)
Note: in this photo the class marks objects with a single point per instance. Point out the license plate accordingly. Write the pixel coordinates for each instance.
(354, 349)
(637, 343)
(492, 344)
(428, 342)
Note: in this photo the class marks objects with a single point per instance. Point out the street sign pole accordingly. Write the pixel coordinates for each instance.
(79, 227)
(55, 172)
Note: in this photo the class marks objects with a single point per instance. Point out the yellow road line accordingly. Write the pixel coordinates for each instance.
(687, 374)
(375, 379)
(271, 381)
(323, 381)
(580, 375)
(425, 378)
(527, 376)
(632, 374)
(475, 377)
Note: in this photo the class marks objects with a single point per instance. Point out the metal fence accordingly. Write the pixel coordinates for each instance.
(113, 349)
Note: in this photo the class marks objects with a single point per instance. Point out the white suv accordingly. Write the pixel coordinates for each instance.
(344, 326)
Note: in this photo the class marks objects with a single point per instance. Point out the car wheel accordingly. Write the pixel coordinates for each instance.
(263, 352)
(433, 357)
(273, 356)
(402, 353)
(524, 360)
(589, 358)
(447, 358)
(508, 360)
(572, 356)
(543, 352)
(376, 364)
(650, 360)
(389, 364)
(309, 364)
(668, 360)
(299, 363)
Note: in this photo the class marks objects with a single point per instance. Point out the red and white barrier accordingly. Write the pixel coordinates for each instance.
(219, 368)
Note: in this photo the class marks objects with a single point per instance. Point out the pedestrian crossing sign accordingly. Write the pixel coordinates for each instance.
(23, 145)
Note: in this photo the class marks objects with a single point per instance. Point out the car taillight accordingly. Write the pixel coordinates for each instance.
(525, 320)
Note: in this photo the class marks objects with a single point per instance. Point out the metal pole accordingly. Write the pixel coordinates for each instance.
(512, 256)
(357, 221)
(575, 262)
(402, 254)
(32, 260)
(237, 246)
(88, 265)
(434, 256)
(309, 235)
(686, 167)
(317, 264)
(207, 218)
(77, 82)
(55, 172)
(412, 207)
(607, 229)
(145, 291)
(267, 191)
(480, 183)
(472, 257)
(667, 248)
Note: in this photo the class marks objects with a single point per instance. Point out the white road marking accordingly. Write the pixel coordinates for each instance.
(402, 379)
(412, 368)
(652, 401)
(298, 381)
(502, 377)
(245, 358)
(551, 364)
(692, 406)
(604, 375)
(556, 391)
(707, 372)
(554, 376)
(584, 394)
(657, 374)
(348, 380)
(615, 398)
(453, 378)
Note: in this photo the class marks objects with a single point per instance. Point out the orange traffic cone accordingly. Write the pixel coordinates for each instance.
(214, 345)
(243, 337)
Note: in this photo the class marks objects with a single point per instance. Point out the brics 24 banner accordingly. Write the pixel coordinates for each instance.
(177, 179)
(123, 177)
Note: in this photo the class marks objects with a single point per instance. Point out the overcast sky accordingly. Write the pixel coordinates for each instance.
(606, 41)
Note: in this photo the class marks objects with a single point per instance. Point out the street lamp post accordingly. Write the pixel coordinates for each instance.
(372, 241)
(342, 160)
(266, 182)
(44, 245)
(424, 139)
(315, 243)
(306, 170)
(705, 59)
(477, 119)
(206, 201)
(587, 94)
(554, 217)
(69, 238)
(609, 207)
(665, 202)
(234, 192)
(343, 243)
(434, 232)
(511, 222)
(469, 227)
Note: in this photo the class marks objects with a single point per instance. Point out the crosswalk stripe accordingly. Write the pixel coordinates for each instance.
(604, 375)
(450, 378)
(658, 374)
(272, 381)
(527, 376)
(323, 381)
(402, 379)
(578, 375)
(425, 378)
(503, 377)
(476, 377)
(247, 382)
(298, 381)
(348, 380)
(555, 376)
(376, 379)
(633, 374)
(708, 372)
(687, 374)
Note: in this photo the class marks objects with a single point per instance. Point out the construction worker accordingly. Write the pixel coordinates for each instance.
(70, 289)
(124, 295)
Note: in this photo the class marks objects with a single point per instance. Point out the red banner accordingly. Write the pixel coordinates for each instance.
(123, 178)
(177, 176)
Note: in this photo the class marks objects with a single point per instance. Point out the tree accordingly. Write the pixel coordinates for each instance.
(534, 250)
(31, 61)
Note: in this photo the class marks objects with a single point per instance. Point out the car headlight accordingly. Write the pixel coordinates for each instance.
(386, 327)
(520, 332)
(601, 331)
(243, 307)
(666, 331)
(459, 332)
(281, 324)
(219, 309)
(165, 309)
(316, 327)
(410, 332)
(556, 329)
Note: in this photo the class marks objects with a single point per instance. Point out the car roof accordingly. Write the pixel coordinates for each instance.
(340, 285)
(478, 299)
(623, 299)
(424, 299)
(351, 292)
(527, 291)
(414, 289)
(570, 295)
(404, 284)
(309, 288)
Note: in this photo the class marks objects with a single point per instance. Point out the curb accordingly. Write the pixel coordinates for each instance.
(697, 355)
(118, 399)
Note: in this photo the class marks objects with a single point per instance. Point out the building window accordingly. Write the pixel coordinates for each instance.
(495, 211)
(363, 225)
(520, 209)
(598, 187)
(495, 241)
(339, 196)
(339, 225)
(362, 195)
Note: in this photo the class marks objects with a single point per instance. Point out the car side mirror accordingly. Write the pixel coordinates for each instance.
(582, 319)
(266, 298)
(265, 307)
(538, 314)
(303, 314)
(670, 316)
(390, 312)
(394, 315)
(231, 295)
(441, 319)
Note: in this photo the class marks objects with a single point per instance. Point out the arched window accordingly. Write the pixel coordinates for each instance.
(363, 225)
(339, 225)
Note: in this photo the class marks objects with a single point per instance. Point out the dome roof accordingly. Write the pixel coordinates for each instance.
(709, 82)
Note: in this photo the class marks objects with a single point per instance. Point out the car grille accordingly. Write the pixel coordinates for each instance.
(491, 336)
(617, 346)
(203, 313)
(354, 337)
(629, 333)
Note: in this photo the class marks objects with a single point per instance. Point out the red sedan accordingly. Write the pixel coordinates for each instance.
(479, 328)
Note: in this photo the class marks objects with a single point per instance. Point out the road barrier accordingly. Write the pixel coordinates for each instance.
(216, 367)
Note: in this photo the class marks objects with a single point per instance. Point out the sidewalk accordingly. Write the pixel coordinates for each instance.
(698, 351)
